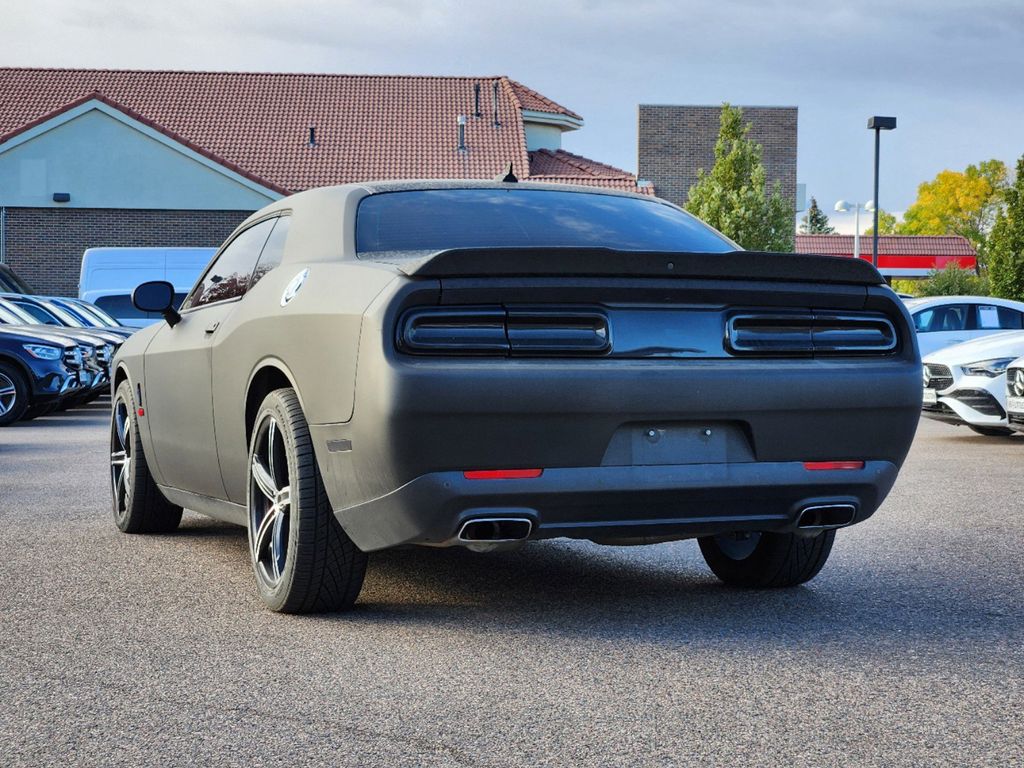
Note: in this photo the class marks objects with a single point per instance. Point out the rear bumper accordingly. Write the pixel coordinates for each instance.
(629, 447)
(677, 501)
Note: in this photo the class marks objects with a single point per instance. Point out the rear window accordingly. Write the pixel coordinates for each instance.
(439, 219)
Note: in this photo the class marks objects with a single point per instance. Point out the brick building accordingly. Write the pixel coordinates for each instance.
(92, 158)
(675, 141)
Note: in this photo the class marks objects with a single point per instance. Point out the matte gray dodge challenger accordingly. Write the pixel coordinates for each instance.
(484, 363)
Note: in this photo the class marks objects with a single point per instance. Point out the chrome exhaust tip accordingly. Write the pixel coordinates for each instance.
(816, 518)
(484, 534)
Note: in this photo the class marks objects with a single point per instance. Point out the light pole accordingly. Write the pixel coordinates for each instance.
(843, 207)
(878, 124)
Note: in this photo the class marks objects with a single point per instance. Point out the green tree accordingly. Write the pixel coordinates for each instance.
(959, 203)
(815, 222)
(886, 224)
(733, 196)
(954, 280)
(1006, 242)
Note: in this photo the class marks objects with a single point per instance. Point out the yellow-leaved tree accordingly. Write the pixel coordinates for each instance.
(959, 203)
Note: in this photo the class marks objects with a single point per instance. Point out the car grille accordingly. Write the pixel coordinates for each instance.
(1015, 418)
(979, 400)
(938, 377)
(73, 358)
(1015, 382)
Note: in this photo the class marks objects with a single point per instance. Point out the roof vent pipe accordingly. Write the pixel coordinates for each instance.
(476, 99)
(462, 133)
(312, 135)
(497, 122)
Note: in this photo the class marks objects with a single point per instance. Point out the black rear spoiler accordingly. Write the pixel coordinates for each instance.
(607, 262)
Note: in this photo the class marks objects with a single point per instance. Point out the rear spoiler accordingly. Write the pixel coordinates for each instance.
(607, 262)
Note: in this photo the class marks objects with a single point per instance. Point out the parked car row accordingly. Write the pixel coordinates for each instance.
(54, 353)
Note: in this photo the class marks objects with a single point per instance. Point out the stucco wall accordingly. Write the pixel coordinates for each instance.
(540, 136)
(104, 160)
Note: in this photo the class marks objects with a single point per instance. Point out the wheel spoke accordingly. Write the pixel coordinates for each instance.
(6, 390)
(276, 544)
(264, 480)
(284, 498)
(120, 492)
(271, 439)
(261, 540)
(124, 432)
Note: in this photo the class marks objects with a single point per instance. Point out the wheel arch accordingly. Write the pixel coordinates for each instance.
(269, 375)
(121, 374)
(22, 367)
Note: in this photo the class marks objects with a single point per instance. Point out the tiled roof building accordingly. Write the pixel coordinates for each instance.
(221, 144)
(363, 127)
(898, 255)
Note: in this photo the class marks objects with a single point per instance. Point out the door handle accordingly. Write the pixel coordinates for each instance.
(213, 326)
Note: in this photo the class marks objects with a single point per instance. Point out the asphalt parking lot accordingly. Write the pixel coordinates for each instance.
(130, 650)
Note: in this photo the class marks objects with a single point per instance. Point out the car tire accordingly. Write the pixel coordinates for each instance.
(14, 394)
(302, 559)
(991, 431)
(766, 560)
(139, 506)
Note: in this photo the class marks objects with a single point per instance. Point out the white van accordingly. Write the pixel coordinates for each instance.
(109, 275)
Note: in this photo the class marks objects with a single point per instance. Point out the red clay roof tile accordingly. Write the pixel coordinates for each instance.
(888, 245)
(367, 126)
(561, 167)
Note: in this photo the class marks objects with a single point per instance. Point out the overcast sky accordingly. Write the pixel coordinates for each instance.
(951, 72)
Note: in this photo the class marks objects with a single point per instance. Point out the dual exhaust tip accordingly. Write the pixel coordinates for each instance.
(484, 534)
(493, 534)
(495, 530)
(824, 517)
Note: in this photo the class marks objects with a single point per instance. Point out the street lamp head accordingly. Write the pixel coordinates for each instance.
(882, 123)
(869, 205)
(842, 206)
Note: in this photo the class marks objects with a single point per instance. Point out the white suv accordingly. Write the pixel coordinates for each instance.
(966, 383)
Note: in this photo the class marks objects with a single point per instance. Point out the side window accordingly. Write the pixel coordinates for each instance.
(228, 276)
(922, 320)
(273, 251)
(39, 313)
(120, 305)
(991, 318)
(950, 318)
(1009, 319)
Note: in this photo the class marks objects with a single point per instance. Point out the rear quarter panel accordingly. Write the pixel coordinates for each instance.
(313, 340)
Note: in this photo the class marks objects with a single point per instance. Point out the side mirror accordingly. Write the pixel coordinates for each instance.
(157, 296)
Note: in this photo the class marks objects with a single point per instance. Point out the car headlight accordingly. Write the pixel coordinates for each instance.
(43, 351)
(989, 368)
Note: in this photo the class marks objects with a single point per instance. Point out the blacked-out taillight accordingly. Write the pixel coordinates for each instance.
(810, 333)
(458, 331)
(516, 331)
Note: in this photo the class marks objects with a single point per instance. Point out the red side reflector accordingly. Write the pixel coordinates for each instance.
(833, 465)
(142, 411)
(502, 474)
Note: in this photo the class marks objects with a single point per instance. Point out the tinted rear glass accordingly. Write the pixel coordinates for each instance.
(438, 219)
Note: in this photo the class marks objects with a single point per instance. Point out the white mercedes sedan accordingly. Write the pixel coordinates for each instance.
(942, 321)
(966, 384)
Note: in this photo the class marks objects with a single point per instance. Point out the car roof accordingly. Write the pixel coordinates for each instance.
(938, 301)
